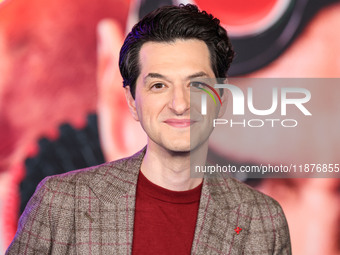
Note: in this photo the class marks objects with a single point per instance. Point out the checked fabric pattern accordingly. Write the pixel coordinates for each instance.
(91, 211)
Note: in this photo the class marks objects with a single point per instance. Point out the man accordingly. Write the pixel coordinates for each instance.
(148, 204)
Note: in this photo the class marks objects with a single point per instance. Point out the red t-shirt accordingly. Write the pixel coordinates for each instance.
(165, 220)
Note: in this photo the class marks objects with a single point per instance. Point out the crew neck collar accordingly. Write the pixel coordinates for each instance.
(157, 192)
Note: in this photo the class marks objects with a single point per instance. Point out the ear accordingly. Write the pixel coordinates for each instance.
(131, 103)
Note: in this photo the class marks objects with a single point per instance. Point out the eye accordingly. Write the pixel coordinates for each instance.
(158, 86)
(197, 85)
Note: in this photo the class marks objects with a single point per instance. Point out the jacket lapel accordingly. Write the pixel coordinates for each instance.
(106, 206)
(105, 211)
(218, 217)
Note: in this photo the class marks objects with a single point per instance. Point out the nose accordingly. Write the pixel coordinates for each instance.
(180, 100)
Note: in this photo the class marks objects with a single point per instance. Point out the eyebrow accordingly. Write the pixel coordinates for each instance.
(197, 75)
(161, 76)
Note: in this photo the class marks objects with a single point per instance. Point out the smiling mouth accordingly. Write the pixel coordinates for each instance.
(179, 123)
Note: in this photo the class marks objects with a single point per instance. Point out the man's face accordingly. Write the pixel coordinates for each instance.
(162, 101)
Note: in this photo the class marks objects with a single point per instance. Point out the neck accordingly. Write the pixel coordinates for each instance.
(171, 170)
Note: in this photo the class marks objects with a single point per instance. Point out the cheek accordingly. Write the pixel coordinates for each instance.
(145, 111)
(213, 109)
(140, 111)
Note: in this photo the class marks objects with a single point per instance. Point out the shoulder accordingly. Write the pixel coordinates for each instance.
(235, 192)
(261, 205)
(259, 208)
(106, 182)
(68, 181)
(249, 195)
(260, 217)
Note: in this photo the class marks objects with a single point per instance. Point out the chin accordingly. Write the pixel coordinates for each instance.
(183, 148)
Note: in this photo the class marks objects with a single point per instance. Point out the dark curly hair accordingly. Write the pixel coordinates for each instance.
(168, 23)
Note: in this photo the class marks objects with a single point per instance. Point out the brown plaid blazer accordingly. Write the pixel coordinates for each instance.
(91, 211)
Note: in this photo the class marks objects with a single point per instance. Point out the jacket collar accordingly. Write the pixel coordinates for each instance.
(219, 207)
(110, 185)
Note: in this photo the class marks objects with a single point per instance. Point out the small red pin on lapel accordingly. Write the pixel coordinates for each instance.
(237, 230)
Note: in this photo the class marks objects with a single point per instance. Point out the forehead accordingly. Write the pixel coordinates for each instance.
(175, 58)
